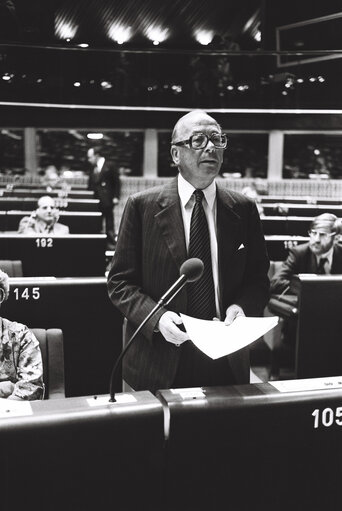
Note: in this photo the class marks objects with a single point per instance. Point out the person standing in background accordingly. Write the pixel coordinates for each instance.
(104, 180)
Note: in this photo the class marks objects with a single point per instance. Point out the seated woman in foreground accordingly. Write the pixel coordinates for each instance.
(21, 367)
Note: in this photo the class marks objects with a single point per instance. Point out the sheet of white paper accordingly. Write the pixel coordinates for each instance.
(216, 339)
(13, 408)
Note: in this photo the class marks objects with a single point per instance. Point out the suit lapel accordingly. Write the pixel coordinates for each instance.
(228, 237)
(170, 221)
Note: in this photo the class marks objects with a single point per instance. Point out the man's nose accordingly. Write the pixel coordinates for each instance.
(210, 146)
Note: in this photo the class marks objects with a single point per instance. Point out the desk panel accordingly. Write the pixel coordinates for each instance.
(286, 225)
(92, 327)
(253, 447)
(76, 455)
(278, 246)
(319, 328)
(60, 256)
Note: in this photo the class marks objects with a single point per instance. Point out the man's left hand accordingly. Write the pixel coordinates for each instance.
(232, 313)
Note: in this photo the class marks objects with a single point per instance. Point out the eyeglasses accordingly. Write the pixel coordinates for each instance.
(200, 141)
(321, 235)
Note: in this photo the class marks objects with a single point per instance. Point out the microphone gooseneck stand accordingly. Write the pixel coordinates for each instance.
(191, 270)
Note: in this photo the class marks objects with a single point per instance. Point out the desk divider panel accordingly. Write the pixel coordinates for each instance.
(278, 246)
(92, 327)
(82, 454)
(286, 225)
(319, 327)
(253, 447)
(58, 256)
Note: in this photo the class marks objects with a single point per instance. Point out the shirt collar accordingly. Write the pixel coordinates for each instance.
(185, 191)
(100, 163)
(328, 255)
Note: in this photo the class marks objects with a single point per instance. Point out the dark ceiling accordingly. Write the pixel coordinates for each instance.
(97, 22)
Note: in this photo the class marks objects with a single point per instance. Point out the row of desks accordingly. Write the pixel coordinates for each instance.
(91, 222)
(83, 255)
(240, 447)
(79, 222)
(30, 204)
(265, 199)
(38, 192)
(290, 209)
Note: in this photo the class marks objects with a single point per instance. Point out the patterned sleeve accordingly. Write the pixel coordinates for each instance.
(29, 368)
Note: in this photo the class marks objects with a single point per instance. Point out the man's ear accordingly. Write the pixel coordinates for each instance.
(175, 154)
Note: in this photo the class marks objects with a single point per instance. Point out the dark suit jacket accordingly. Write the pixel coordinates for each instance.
(302, 260)
(105, 184)
(150, 250)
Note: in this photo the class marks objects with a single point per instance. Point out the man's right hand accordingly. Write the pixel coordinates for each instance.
(168, 328)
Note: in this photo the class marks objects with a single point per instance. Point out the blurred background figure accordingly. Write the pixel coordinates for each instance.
(104, 180)
(251, 192)
(50, 179)
(9, 25)
(21, 367)
(44, 220)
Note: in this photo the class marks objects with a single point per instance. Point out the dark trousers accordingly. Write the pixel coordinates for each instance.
(196, 369)
(108, 215)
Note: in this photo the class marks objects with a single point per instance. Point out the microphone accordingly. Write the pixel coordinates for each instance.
(190, 271)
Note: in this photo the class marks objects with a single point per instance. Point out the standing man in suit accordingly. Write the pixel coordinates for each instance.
(157, 235)
(320, 255)
(104, 180)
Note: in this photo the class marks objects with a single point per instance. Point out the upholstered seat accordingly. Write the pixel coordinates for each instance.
(12, 268)
(51, 345)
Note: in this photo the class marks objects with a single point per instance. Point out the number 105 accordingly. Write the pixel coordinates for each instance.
(327, 417)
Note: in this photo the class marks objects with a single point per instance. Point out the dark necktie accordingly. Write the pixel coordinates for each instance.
(321, 264)
(201, 294)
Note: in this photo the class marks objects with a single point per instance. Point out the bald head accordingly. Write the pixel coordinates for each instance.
(192, 117)
(46, 211)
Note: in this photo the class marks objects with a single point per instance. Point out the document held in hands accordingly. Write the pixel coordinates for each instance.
(216, 339)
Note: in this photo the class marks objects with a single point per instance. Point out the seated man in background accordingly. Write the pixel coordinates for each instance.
(321, 255)
(44, 220)
(21, 367)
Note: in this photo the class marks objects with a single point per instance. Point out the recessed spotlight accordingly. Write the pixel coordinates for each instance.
(95, 136)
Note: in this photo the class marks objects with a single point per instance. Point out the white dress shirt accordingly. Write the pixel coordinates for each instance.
(185, 192)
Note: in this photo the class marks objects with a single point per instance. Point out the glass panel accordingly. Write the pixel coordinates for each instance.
(67, 150)
(12, 151)
(312, 156)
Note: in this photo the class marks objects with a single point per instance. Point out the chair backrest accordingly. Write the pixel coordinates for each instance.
(274, 268)
(12, 268)
(51, 346)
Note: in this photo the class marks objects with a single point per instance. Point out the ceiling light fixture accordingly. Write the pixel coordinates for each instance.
(95, 136)
(204, 37)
